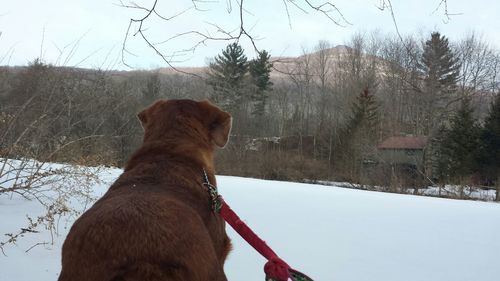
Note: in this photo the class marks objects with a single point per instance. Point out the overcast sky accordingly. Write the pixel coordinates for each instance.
(90, 33)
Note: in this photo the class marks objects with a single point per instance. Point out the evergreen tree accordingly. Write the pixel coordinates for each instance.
(364, 113)
(460, 145)
(227, 77)
(440, 69)
(434, 160)
(489, 156)
(260, 73)
(439, 63)
(358, 138)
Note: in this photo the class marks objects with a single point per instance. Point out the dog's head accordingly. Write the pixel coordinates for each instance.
(186, 120)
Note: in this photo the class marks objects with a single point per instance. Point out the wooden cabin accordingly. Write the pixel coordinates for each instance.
(403, 150)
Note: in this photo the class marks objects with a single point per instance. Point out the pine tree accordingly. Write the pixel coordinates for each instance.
(359, 136)
(434, 160)
(460, 145)
(440, 69)
(364, 113)
(439, 63)
(489, 156)
(260, 73)
(227, 76)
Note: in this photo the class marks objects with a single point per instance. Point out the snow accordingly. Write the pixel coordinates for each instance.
(448, 191)
(329, 233)
(454, 191)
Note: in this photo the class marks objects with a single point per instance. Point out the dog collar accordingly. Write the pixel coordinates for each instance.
(215, 198)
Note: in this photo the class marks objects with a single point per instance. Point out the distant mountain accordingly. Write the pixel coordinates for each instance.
(283, 66)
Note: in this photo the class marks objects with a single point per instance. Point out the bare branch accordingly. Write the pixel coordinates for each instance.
(203, 37)
(448, 15)
(327, 9)
(387, 5)
(287, 13)
(37, 244)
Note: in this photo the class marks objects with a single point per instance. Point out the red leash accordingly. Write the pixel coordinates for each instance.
(276, 269)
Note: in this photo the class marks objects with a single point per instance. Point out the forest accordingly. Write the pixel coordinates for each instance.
(319, 116)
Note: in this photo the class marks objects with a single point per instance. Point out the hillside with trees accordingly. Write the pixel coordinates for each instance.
(319, 116)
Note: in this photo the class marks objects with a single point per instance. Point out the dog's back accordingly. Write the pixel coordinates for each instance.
(155, 221)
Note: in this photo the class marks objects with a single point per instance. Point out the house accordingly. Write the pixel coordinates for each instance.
(403, 150)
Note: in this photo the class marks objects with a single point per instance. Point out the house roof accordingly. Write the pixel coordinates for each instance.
(403, 143)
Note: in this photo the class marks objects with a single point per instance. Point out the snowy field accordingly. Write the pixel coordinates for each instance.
(329, 233)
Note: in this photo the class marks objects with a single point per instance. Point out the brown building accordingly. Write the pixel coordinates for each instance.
(403, 150)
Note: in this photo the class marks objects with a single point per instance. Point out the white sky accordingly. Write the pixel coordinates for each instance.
(90, 33)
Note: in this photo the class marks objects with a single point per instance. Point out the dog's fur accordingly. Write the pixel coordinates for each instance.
(155, 222)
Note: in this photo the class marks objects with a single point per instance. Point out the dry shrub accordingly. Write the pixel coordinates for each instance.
(62, 190)
(271, 164)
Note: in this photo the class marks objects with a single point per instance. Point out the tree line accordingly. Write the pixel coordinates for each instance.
(318, 116)
(350, 98)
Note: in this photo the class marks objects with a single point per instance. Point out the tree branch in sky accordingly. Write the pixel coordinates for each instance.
(213, 31)
(216, 31)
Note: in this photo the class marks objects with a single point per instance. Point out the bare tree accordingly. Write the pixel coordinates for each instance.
(323, 71)
(60, 115)
(401, 84)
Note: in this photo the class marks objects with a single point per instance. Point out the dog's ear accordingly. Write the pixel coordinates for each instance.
(142, 117)
(221, 128)
(145, 115)
(219, 123)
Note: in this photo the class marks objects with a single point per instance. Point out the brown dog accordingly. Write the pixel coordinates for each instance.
(155, 222)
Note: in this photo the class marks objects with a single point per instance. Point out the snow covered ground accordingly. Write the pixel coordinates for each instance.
(330, 233)
(448, 191)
